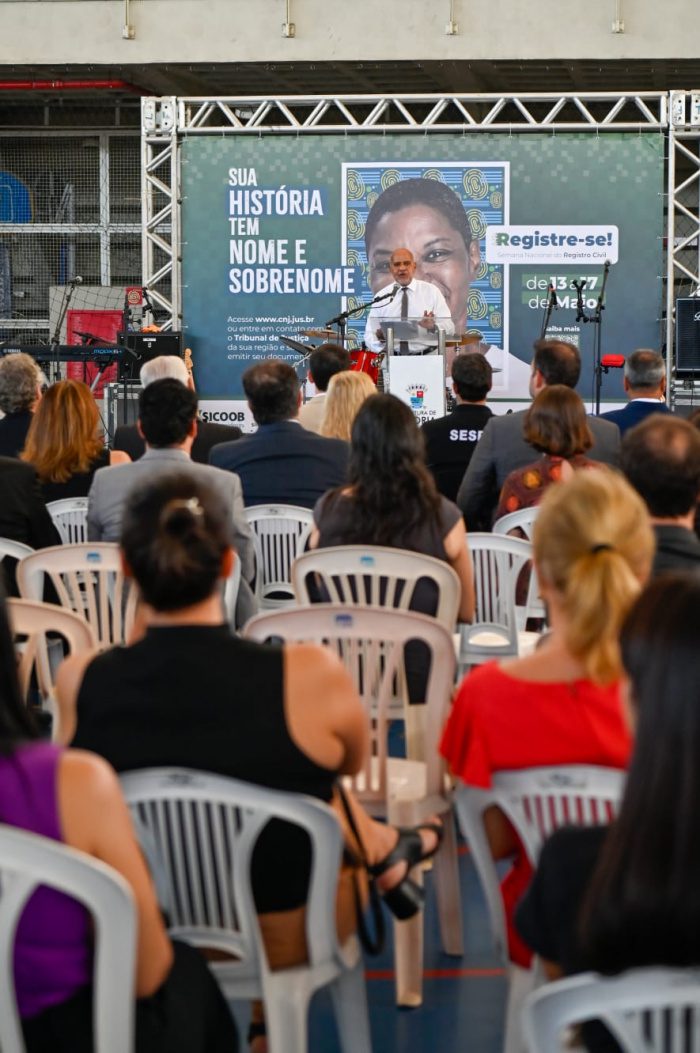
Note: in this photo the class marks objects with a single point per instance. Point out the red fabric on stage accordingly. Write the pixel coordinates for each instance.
(500, 723)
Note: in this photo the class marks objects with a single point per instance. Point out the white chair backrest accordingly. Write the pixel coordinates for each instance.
(279, 535)
(203, 829)
(89, 580)
(523, 519)
(28, 861)
(70, 518)
(376, 576)
(537, 801)
(497, 563)
(14, 549)
(653, 1010)
(231, 587)
(32, 620)
(371, 643)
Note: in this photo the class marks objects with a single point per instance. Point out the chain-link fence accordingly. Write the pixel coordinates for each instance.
(70, 220)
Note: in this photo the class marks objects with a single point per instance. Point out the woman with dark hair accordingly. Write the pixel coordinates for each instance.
(189, 693)
(391, 498)
(74, 797)
(64, 443)
(556, 426)
(624, 896)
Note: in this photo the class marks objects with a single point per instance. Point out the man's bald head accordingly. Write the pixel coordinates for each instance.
(402, 266)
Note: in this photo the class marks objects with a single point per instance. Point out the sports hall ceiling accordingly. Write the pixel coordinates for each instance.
(320, 78)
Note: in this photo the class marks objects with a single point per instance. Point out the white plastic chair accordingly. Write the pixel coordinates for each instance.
(89, 580)
(204, 829)
(14, 549)
(28, 861)
(495, 631)
(32, 621)
(654, 1010)
(279, 535)
(376, 576)
(371, 642)
(70, 518)
(524, 519)
(537, 801)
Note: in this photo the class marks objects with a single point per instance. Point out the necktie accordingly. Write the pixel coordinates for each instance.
(403, 344)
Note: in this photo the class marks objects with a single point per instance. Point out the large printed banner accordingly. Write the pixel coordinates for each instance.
(281, 234)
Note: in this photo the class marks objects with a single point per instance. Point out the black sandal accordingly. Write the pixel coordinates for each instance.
(406, 899)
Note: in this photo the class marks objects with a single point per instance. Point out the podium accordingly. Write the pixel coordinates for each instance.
(417, 379)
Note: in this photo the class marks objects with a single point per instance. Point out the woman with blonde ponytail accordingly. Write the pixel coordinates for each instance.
(593, 548)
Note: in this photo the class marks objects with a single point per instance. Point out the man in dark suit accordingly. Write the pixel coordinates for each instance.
(661, 459)
(171, 367)
(281, 463)
(645, 387)
(502, 447)
(450, 441)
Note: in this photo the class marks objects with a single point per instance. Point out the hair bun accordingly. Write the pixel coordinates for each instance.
(179, 516)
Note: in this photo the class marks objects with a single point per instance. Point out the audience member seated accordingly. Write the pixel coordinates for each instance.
(324, 362)
(503, 448)
(127, 436)
(74, 797)
(645, 386)
(593, 548)
(625, 896)
(20, 392)
(346, 393)
(557, 426)
(282, 463)
(391, 499)
(168, 423)
(661, 458)
(450, 441)
(64, 443)
(190, 693)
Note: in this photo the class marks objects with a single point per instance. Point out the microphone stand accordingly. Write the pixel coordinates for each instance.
(341, 319)
(551, 304)
(55, 342)
(596, 318)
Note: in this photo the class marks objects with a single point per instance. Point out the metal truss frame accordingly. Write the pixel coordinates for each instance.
(167, 121)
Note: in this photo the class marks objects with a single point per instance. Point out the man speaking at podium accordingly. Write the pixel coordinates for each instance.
(407, 298)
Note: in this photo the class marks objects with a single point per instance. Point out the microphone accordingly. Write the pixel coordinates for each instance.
(76, 281)
(553, 301)
(394, 291)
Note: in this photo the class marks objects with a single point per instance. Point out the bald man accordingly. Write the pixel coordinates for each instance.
(406, 297)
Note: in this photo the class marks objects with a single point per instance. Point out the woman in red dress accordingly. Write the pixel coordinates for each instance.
(593, 547)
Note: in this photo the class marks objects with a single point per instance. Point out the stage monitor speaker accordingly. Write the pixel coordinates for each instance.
(142, 347)
(121, 405)
(688, 337)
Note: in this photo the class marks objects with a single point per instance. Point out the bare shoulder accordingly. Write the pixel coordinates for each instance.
(119, 457)
(84, 773)
(313, 663)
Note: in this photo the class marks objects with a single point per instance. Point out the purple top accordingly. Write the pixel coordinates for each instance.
(53, 944)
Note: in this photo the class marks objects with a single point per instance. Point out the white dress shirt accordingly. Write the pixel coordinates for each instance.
(422, 297)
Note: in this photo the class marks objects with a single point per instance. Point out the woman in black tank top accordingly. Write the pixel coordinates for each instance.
(189, 693)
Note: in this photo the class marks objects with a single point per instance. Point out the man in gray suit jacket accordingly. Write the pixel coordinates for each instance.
(168, 423)
(502, 447)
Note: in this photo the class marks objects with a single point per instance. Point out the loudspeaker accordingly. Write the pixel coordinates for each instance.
(142, 347)
(121, 405)
(688, 337)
